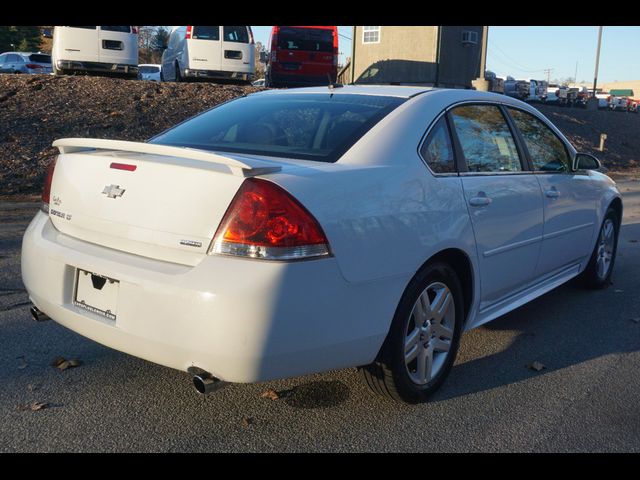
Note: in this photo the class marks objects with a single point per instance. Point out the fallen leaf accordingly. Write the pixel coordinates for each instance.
(247, 421)
(537, 366)
(270, 394)
(33, 406)
(57, 361)
(23, 365)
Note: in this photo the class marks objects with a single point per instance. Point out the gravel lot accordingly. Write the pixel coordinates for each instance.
(586, 399)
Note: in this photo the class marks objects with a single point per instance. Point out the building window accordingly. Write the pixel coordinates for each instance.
(370, 34)
(469, 37)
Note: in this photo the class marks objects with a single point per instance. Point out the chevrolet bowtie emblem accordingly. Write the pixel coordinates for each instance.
(113, 191)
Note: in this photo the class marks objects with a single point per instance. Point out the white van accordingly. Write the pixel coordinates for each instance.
(209, 52)
(106, 49)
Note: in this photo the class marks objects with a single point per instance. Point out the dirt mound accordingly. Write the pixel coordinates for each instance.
(35, 110)
(583, 129)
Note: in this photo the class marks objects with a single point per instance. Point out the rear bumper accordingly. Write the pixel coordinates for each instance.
(241, 320)
(295, 79)
(217, 74)
(98, 67)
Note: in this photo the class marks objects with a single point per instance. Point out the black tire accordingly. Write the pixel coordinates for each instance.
(590, 277)
(389, 374)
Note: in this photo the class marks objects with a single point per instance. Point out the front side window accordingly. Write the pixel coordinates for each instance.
(236, 34)
(317, 127)
(485, 139)
(206, 33)
(547, 151)
(370, 34)
(437, 149)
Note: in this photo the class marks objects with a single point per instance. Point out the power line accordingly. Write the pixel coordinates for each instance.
(344, 36)
(515, 62)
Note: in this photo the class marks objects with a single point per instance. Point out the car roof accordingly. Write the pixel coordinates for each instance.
(380, 90)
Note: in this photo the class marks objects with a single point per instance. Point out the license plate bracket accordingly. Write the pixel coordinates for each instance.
(96, 293)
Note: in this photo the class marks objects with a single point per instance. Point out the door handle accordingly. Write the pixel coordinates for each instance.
(553, 193)
(480, 200)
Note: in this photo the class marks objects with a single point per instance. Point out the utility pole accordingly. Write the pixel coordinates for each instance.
(548, 72)
(595, 77)
(575, 75)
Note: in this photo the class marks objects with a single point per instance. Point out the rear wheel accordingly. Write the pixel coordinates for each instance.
(597, 275)
(422, 343)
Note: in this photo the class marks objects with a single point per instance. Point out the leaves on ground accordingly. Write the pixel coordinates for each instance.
(248, 421)
(33, 406)
(62, 363)
(270, 394)
(536, 366)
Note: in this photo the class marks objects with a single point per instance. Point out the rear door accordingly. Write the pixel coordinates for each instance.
(77, 43)
(569, 197)
(308, 51)
(503, 199)
(118, 44)
(236, 53)
(204, 48)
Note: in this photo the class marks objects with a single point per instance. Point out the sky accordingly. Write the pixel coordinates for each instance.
(525, 52)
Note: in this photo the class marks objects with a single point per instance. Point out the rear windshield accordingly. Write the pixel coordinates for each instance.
(39, 57)
(306, 39)
(148, 69)
(319, 127)
(236, 34)
(206, 33)
(116, 28)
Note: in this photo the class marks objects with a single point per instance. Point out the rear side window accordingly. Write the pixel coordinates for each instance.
(305, 39)
(547, 151)
(116, 28)
(236, 34)
(485, 139)
(206, 33)
(319, 127)
(437, 149)
(38, 57)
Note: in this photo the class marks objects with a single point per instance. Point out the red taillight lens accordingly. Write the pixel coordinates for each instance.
(33, 65)
(264, 221)
(46, 191)
(134, 29)
(189, 30)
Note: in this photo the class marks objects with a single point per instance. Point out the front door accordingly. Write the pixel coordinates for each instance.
(503, 199)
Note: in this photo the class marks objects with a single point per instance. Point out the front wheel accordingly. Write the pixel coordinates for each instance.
(597, 275)
(422, 343)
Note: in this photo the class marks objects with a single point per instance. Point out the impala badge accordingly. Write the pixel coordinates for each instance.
(113, 191)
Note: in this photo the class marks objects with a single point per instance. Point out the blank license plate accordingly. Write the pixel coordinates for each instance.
(97, 293)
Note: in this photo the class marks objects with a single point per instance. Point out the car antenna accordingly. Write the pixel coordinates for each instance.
(333, 85)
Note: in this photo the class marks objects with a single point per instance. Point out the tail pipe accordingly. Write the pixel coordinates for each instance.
(38, 315)
(204, 382)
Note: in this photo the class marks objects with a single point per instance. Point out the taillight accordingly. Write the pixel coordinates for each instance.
(33, 65)
(134, 29)
(189, 30)
(46, 191)
(265, 222)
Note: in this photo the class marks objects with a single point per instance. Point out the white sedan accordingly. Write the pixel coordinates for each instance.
(297, 231)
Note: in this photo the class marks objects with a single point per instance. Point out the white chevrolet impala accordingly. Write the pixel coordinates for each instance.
(292, 232)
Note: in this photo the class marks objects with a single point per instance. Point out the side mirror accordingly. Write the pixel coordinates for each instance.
(586, 161)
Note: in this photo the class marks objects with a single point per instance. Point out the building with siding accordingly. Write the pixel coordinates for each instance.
(444, 56)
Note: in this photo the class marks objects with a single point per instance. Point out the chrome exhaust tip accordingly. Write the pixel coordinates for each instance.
(38, 315)
(204, 382)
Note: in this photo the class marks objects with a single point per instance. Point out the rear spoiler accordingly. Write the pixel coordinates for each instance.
(247, 167)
